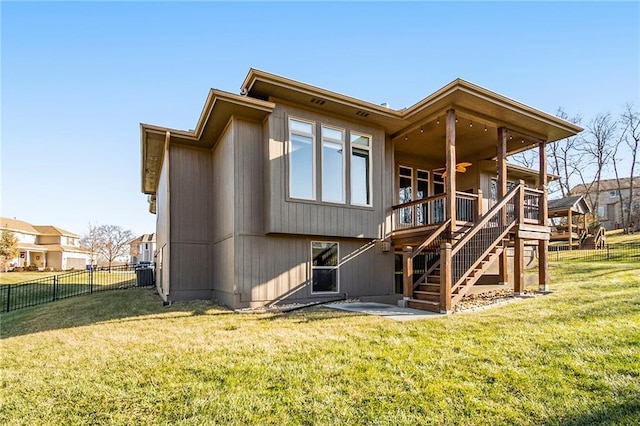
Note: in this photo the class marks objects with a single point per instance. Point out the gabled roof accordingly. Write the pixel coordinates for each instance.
(560, 207)
(17, 225)
(609, 185)
(54, 230)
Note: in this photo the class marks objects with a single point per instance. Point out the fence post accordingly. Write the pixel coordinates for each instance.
(55, 286)
(91, 279)
(607, 251)
(8, 298)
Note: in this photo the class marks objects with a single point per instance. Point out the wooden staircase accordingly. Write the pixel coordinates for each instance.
(426, 296)
(473, 250)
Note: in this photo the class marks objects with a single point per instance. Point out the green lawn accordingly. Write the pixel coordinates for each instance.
(19, 277)
(569, 358)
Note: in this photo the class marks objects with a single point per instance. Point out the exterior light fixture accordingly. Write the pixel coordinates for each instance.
(485, 127)
(438, 121)
(471, 124)
(421, 129)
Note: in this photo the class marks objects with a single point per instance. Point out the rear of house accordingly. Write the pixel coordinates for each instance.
(291, 193)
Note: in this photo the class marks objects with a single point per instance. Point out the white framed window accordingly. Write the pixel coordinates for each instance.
(325, 274)
(360, 169)
(302, 156)
(405, 194)
(333, 164)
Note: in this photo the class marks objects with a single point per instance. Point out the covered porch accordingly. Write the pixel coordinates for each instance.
(457, 207)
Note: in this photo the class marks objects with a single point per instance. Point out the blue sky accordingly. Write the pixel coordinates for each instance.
(78, 78)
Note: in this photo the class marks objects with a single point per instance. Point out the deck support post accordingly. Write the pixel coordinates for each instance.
(450, 166)
(501, 164)
(446, 276)
(543, 245)
(407, 273)
(518, 266)
(570, 223)
(480, 209)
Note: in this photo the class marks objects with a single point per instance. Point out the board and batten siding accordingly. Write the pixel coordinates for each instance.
(276, 269)
(191, 261)
(290, 216)
(221, 220)
(272, 268)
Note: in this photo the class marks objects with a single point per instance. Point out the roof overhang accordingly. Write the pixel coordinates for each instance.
(219, 108)
(422, 124)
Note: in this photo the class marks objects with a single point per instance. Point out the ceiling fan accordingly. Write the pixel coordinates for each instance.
(460, 168)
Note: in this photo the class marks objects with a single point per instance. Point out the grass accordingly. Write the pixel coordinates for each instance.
(20, 277)
(571, 357)
(619, 237)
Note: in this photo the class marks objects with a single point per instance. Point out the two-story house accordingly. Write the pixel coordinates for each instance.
(293, 193)
(45, 246)
(609, 208)
(142, 249)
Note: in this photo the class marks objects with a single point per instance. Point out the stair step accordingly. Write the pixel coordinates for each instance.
(427, 295)
(431, 287)
(433, 279)
(424, 305)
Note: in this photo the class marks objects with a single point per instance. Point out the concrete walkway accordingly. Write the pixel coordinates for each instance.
(383, 310)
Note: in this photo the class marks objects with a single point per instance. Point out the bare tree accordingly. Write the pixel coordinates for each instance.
(113, 242)
(91, 242)
(597, 151)
(630, 135)
(565, 157)
(8, 248)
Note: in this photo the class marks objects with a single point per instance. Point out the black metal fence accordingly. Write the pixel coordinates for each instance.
(70, 284)
(622, 252)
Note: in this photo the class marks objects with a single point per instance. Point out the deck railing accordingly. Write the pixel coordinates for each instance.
(431, 211)
(423, 212)
(532, 203)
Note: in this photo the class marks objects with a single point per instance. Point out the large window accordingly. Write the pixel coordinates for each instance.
(324, 267)
(360, 169)
(332, 165)
(301, 160)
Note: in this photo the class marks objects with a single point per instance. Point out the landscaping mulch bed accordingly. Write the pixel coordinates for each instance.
(495, 297)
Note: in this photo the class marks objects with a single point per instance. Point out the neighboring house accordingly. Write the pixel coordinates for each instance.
(608, 201)
(291, 193)
(45, 246)
(142, 249)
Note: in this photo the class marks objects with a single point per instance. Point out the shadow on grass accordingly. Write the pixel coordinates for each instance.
(127, 305)
(626, 413)
(310, 314)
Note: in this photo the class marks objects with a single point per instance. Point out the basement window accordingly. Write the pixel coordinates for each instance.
(324, 267)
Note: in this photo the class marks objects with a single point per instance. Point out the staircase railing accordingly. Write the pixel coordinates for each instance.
(483, 237)
(598, 239)
(424, 259)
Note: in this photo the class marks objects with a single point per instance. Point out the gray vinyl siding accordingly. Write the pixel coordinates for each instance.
(222, 219)
(291, 216)
(191, 204)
